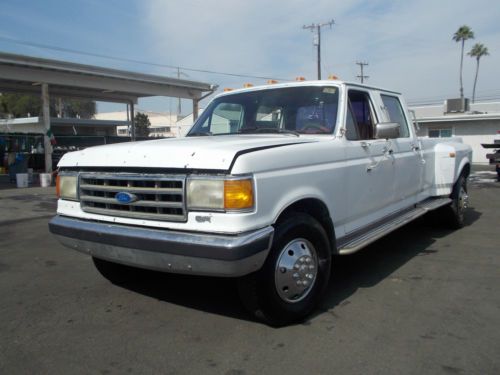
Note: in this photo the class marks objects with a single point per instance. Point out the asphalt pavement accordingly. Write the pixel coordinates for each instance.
(423, 300)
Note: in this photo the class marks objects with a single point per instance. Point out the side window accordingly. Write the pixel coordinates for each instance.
(361, 112)
(395, 112)
(226, 118)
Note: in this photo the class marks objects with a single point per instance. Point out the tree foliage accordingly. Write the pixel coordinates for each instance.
(78, 108)
(478, 50)
(142, 124)
(20, 105)
(461, 35)
(26, 105)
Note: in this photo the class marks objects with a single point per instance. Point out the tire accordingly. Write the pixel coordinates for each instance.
(453, 214)
(115, 272)
(295, 275)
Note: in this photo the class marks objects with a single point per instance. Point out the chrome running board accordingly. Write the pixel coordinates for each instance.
(387, 226)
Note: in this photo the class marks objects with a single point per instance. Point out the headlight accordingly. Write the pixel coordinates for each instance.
(220, 194)
(66, 187)
(205, 194)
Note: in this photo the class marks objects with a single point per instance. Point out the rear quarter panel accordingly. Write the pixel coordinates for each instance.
(445, 159)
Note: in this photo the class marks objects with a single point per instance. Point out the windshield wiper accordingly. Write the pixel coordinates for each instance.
(268, 130)
(194, 134)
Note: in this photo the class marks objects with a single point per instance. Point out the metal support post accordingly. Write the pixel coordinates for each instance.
(46, 126)
(132, 121)
(318, 57)
(196, 103)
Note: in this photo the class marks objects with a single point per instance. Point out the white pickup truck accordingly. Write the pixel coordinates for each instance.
(268, 185)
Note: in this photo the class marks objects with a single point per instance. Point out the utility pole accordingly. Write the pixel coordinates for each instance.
(361, 66)
(179, 109)
(316, 28)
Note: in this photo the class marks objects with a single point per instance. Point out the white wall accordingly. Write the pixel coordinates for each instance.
(157, 120)
(472, 133)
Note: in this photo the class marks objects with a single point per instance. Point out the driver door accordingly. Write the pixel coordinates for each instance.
(370, 164)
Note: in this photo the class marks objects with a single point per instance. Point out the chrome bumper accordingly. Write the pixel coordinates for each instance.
(165, 250)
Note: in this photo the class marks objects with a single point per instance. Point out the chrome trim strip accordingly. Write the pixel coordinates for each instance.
(358, 240)
(132, 189)
(137, 204)
(133, 215)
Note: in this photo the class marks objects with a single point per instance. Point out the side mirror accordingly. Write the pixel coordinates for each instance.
(387, 130)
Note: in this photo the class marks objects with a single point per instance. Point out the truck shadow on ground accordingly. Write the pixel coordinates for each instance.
(378, 261)
(361, 270)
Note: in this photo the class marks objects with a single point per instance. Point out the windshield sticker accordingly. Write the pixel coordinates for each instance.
(330, 90)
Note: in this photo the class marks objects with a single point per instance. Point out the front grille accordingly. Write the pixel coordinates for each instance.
(156, 196)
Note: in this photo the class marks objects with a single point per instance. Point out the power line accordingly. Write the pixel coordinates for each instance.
(123, 59)
(317, 39)
(361, 66)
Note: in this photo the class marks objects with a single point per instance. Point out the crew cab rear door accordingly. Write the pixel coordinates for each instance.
(408, 157)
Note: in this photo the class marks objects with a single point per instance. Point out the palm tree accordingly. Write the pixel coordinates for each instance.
(462, 34)
(478, 50)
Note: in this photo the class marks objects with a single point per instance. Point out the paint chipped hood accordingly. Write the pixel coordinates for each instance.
(208, 152)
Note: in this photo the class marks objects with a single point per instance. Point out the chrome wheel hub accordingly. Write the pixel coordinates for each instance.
(296, 270)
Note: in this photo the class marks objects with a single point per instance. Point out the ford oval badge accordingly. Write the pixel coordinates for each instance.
(125, 198)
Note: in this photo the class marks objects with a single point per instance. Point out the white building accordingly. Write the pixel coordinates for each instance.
(480, 125)
(184, 125)
(162, 123)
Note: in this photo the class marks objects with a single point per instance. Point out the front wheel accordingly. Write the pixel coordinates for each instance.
(295, 274)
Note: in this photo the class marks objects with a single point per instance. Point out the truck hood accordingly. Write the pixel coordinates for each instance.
(210, 152)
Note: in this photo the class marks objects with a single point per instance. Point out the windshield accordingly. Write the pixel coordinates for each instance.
(298, 110)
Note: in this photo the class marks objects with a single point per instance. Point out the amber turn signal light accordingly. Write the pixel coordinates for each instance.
(238, 194)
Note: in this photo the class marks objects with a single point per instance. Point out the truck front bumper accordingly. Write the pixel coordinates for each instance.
(164, 250)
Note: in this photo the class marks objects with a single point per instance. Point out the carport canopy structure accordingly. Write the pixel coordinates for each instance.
(28, 74)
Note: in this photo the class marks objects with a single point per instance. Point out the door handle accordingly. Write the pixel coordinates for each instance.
(387, 151)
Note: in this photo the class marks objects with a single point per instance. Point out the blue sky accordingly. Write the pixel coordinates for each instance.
(407, 44)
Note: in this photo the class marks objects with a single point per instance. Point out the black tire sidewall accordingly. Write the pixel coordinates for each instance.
(274, 307)
(458, 214)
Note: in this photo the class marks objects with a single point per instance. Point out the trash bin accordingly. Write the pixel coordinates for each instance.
(22, 180)
(20, 165)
